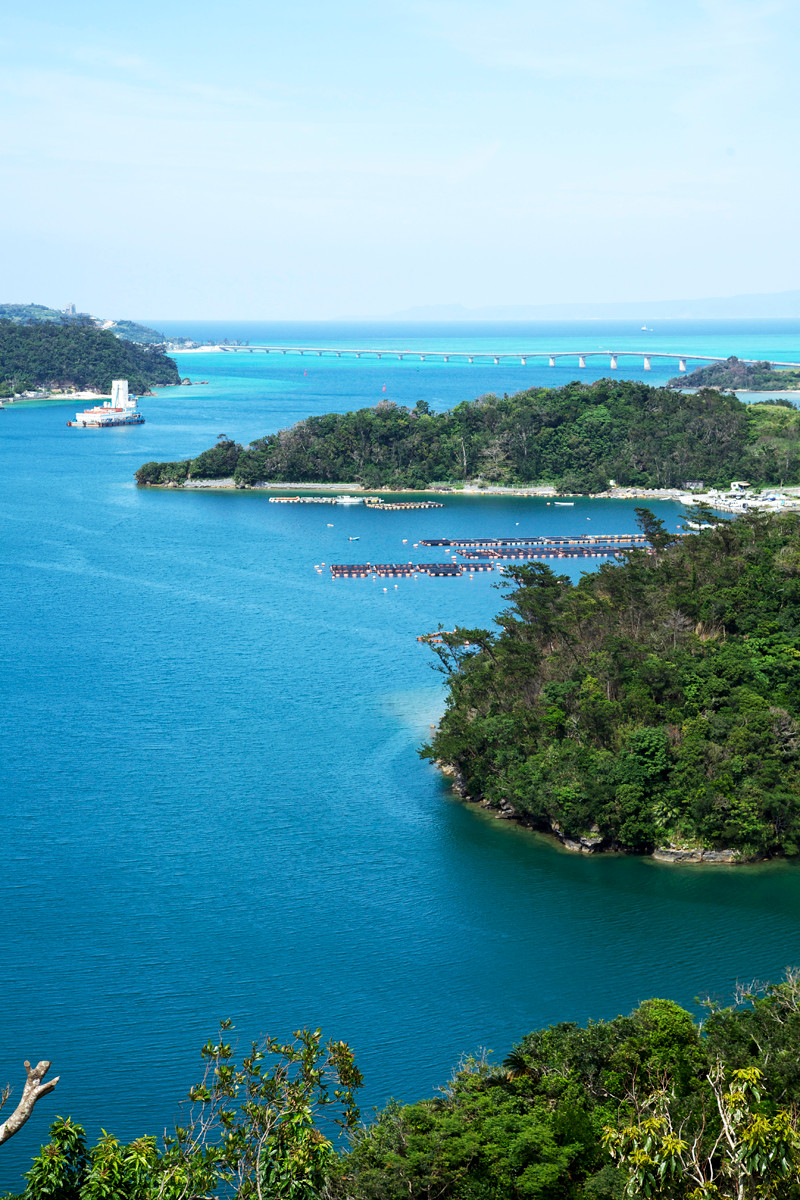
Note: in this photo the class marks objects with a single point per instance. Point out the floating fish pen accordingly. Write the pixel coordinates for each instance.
(594, 551)
(441, 568)
(373, 502)
(404, 570)
(400, 505)
(617, 539)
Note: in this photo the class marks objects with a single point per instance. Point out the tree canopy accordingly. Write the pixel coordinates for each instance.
(653, 1104)
(733, 373)
(577, 438)
(75, 353)
(654, 703)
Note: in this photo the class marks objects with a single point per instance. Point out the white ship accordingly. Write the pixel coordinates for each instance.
(121, 409)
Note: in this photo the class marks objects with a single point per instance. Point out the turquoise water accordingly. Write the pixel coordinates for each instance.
(213, 804)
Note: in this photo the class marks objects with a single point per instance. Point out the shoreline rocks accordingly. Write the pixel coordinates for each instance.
(593, 842)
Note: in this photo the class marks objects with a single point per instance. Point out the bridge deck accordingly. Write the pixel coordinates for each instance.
(495, 355)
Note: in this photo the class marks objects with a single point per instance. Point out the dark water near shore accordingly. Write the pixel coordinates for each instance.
(212, 802)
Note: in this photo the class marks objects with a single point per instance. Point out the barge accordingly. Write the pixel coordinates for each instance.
(121, 409)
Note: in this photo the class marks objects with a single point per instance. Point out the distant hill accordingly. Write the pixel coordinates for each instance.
(129, 331)
(779, 305)
(736, 375)
(74, 353)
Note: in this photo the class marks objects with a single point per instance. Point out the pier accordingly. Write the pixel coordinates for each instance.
(496, 356)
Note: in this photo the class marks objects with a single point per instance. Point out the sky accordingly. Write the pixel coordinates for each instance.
(249, 159)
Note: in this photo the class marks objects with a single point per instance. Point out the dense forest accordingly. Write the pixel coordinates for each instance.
(576, 437)
(735, 374)
(129, 331)
(654, 1104)
(75, 353)
(655, 703)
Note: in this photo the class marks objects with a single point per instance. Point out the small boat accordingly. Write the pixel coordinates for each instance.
(564, 503)
(354, 539)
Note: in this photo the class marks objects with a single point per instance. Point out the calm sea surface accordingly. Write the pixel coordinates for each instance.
(212, 801)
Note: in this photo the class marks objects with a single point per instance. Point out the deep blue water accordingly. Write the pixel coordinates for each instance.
(213, 804)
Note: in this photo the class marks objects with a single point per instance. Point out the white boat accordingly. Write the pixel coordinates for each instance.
(564, 503)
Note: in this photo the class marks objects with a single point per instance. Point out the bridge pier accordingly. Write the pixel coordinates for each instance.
(447, 358)
(496, 360)
(613, 362)
(647, 362)
(471, 359)
(552, 362)
(422, 358)
(581, 361)
(523, 362)
(681, 364)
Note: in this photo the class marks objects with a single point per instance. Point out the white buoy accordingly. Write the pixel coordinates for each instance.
(386, 589)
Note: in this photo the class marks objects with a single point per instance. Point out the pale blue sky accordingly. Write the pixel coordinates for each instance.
(249, 159)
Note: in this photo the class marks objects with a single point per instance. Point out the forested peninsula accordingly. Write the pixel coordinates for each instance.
(75, 353)
(653, 706)
(653, 1104)
(576, 438)
(735, 374)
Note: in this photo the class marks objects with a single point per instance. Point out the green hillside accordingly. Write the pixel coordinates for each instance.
(75, 353)
(129, 331)
(736, 375)
(576, 438)
(655, 702)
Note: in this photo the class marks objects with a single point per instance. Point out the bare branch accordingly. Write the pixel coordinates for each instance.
(34, 1090)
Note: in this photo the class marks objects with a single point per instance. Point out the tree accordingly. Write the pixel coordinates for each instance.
(740, 1151)
(654, 529)
(251, 1130)
(34, 1089)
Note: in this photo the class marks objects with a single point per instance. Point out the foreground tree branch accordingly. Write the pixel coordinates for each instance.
(34, 1090)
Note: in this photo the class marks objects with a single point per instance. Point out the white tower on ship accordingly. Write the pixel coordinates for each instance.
(119, 393)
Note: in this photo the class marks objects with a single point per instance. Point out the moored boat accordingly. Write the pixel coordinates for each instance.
(121, 409)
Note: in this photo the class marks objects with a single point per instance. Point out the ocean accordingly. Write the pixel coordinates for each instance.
(213, 804)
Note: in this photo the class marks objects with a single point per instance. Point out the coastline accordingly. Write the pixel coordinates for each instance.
(594, 842)
(790, 495)
(28, 401)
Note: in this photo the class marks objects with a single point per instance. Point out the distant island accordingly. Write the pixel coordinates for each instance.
(735, 375)
(653, 706)
(75, 354)
(576, 438)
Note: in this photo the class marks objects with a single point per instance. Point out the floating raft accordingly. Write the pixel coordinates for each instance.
(373, 502)
(517, 552)
(303, 499)
(406, 570)
(397, 506)
(622, 540)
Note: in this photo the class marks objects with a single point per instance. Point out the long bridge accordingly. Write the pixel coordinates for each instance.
(496, 356)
